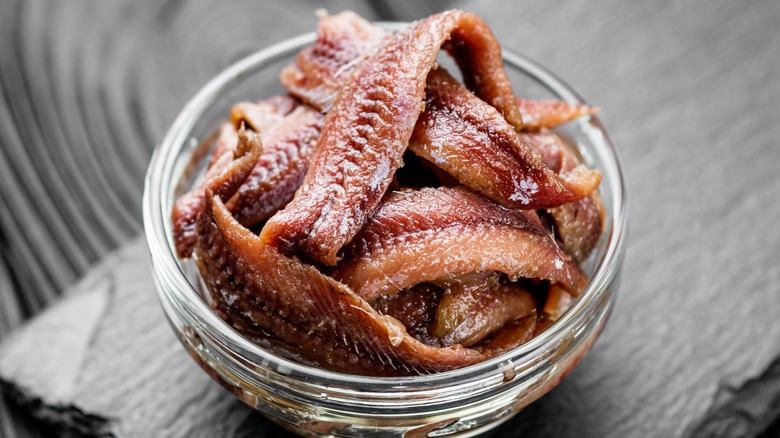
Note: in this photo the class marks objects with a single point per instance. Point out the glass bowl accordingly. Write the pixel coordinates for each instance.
(316, 402)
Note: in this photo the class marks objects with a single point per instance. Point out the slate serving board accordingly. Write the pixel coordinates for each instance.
(688, 92)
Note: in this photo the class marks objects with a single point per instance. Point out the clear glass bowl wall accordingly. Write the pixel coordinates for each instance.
(312, 401)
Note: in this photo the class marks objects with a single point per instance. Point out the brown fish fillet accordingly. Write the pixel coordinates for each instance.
(321, 320)
(225, 175)
(471, 141)
(319, 71)
(263, 115)
(579, 224)
(547, 114)
(346, 39)
(513, 334)
(557, 303)
(462, 294)
(288, 148)
(369, 127)
(486, 312)
(290, 131)
(258, 116)
(415, 308)
(227, 140)
(475, 305)
(422, 235)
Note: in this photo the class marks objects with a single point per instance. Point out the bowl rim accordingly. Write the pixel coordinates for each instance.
(164, 259)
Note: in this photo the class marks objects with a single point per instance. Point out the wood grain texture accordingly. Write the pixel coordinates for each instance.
(688, 92)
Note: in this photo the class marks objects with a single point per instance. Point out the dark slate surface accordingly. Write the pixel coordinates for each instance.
(688, 92)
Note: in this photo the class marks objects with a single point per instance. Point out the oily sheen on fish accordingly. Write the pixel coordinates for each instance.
(464, 309)
(317, 317)
(547, 114)
(472, 141)
(289, 130)
(369, 126)
(502, 167)
(579, 223)
(319, 71)
(422, 235)
(288, 147)
(459, 143)
(226, 174)
(484, 311)
(345, 40)
(475, 305)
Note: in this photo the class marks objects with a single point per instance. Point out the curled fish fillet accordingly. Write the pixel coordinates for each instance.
(475, 305)
(472, 141)
(547, 114)
(579, 223)
(315, 316)
(368, 129)
(356, 271)
(225, 175)
(418, 236)
(289, 130)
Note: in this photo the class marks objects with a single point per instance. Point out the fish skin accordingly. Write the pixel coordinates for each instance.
(321, 320)
(418, 236)
(472, 141)
(476, 305)
(289, 131)
(320, 70)
(539, 115)
(580, 223)
(288, 147)
(229, 171)
(368, 129)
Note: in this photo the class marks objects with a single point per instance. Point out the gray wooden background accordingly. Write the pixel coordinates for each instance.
(688, 90)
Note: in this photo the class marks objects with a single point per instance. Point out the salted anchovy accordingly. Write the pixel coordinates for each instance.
(288, 147)
(487, 146)
(472, 141)
(557, 303)
(418, 236)
(415, 308)
(319, 71)
(263, 115)
(547, 114)
(449, 314)
(346, 39)
(369, 127)
(513, 334)
(475, 305)
(290, 132)
(485, 311)
(258, 116)
(579, 224)
(227, 139)
(225, 175)
(317, 318)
